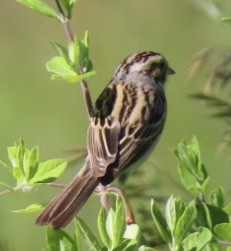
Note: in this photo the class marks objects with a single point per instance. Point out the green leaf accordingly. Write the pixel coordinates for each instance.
(59, 240)
(217, 215)
(15, 154)
(74, 52)
(68, 5)
(127, 245)
(85, 61)
(118, 224)
(86, 40)
(67, 66)
(227, 208)
(185, 222)
(226, 19)
(214, 246)
(49, 171)
(209, 215)
(31, 162)
(16, 157)
(72, 2)
(89, 66)
(30, 209)
(109, 223)
(24, 162)
(65, 4)
(88, 236)
(188, 179)
(86, 75)
(61, 68)
(216, 197)
(19, 176)
(63, 52)
(78, 238)
(84, 44)
(223, 231)
(74, 79)
(173, 210)
(197, 240)
(161, 223)
(40, 7)
(191, 169)
(132, 232)
(102, 227)
(203, 215)
(144, 248)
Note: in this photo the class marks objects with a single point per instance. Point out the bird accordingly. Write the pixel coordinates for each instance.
(129, 117)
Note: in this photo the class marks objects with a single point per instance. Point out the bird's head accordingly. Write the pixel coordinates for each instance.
(150, 63)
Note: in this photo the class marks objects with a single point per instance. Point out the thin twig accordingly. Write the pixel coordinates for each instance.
(104, 198)
(88, 100)
(76, 159)
(78, 150)
(5, 192)
(59, 7)
(66, 23)
(70, 38)
(224, 243)
(56, 185)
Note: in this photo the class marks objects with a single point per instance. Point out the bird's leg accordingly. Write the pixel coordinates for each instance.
(102, 190)
(104, 199)
(130, 218)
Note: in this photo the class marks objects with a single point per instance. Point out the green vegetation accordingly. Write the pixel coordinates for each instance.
(197, 218)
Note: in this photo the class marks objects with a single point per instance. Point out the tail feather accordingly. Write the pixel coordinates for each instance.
(68, 203)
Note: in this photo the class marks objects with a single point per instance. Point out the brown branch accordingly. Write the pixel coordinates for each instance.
(5, 192)
(88, 100)
(56, 185)
(70, 38)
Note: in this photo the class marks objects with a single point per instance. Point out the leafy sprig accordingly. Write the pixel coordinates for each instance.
(73, 63)
(28, 171)
(113, 231)
(217, 64)
(201, 223)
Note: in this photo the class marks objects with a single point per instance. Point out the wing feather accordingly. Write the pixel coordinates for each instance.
(102, 144)
(117, 140)
(140, 138)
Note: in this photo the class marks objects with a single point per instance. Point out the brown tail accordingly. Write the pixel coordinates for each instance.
(65, 205)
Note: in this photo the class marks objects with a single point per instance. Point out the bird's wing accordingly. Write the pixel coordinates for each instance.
(103, 133)
(139, 138)
(123, 143)
(102, 145)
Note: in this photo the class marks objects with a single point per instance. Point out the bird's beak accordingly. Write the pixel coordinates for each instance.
(170, 71)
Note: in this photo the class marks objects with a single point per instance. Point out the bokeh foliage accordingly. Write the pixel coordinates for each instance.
(52, 115)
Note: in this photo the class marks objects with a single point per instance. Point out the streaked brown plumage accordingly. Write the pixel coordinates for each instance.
(129, 118)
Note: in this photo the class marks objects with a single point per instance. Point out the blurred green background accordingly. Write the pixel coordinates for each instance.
(52, 114)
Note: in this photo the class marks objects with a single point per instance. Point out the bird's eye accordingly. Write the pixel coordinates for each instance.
(154, 65)
(161, 65)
